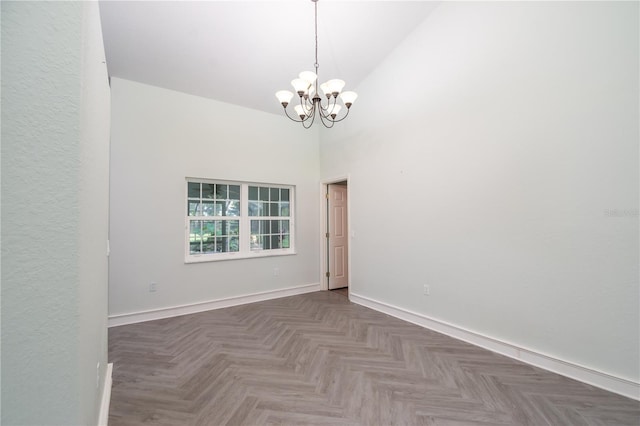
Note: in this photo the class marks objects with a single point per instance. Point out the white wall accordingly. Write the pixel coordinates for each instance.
(159, 137)
(505, 177)
(55, 120)
(93, 209)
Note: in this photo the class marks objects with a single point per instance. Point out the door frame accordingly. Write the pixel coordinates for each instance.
(324, 205)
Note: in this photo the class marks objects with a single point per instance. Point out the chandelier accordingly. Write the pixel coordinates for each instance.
(311, 104)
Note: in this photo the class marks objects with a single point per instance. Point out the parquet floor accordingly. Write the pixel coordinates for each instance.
(342, 291)
(318, 359)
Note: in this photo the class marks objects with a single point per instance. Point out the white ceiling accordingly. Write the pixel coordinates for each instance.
(242, 52)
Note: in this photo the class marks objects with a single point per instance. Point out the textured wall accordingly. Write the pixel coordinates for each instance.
(159, 137)
(505, 176)
(46, 81)
(93, 210)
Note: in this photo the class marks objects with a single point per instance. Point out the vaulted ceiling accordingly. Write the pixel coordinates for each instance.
(242, 52)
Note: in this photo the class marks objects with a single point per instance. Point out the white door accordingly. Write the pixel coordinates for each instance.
(337, 239)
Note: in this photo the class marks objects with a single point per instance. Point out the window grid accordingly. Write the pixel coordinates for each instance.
(265, 203)
(205, 201)
(226, 220)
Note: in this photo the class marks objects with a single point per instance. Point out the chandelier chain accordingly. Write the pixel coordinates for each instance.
(315, 3)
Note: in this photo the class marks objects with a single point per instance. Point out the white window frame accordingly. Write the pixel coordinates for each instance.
(244, 234)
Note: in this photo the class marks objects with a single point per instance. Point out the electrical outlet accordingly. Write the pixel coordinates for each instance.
(427, 290)
(153, 287)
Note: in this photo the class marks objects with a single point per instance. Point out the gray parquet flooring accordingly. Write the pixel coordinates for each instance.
(317, 359)
(342, 291)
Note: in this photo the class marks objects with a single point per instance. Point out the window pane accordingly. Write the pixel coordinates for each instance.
(234, 192)
(265, 227)
(208, 230)
(255, 242)
(254, 208)
(253, 193)
(264, 194)
(275, 226)
(194, 208)
(193, 189)
(234, 245)
(194, 231)
(194, 248)
(285, 241)
(255, 226)
(284, 209)
(218, 229)
(207, 190)
(226, 227)
(275, 241)
(209, 247)
(284, 195)
(221, 192)
(218, 208)
(275, 194)
(274, 209)
(208, 208)
(285, 226)
(232, 208)
(234, 227)
(194, 237)
(266, 243)
(222, 245)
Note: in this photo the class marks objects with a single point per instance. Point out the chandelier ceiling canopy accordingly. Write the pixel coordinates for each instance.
(311, 104)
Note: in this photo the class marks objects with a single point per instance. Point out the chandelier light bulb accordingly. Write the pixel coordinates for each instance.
(348, 98)
(284, 96)
(300, 86)
(325, 90)
(335, 86)
(300, 111)
(308, 76)
(311, 91)
(333, 112)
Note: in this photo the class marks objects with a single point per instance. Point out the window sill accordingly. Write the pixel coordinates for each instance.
(235, 256)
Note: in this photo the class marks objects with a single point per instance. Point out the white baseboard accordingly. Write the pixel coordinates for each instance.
(103, 415)
(174, 311)
(587, 375)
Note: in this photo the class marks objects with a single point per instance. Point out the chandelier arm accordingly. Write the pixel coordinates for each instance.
(306, 104)
(345, 116)
(329, 107)
(324, 121)
(291, 118)
(313, 118)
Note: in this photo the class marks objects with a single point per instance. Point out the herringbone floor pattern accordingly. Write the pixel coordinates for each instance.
(318, 359)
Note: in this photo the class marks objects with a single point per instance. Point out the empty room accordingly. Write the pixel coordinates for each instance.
(330, 212)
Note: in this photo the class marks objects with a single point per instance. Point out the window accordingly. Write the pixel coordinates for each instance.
(231, 220)
(214, 211)
(265, 204)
